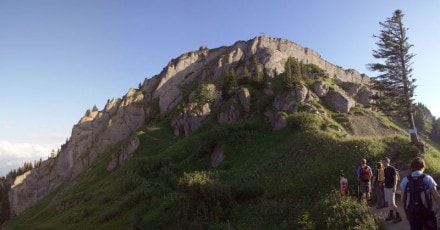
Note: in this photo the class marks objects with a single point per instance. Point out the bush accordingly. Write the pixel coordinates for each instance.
(208, 200)
(305, 121)
(345, 213)
(206, 93)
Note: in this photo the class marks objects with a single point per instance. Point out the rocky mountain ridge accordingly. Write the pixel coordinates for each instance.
(113, 128)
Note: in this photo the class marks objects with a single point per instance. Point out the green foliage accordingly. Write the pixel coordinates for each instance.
(435, 131)
(258, 78)
(95, 109)
(88, 112)
(304, 222)
(208, 200)
(305, 121)
(293, 73)
(313, 71)
(230, 85)
(296, 72)
(346, 213)
(244, 77)
(395, 81)
(206, 93)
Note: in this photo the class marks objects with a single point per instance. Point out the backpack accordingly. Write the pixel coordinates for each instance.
(365, 173)
(418, 202)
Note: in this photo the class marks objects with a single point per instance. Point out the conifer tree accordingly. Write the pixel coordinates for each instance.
(288, 77)
(244, 76)
(230, 85)
(258, 76)
(395, 81)
(293, 72)
(435, 131)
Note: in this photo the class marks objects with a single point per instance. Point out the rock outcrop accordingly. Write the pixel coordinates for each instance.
(95, 133)
(100, 131)
(190, 118)
(122, 156)
(207, 65)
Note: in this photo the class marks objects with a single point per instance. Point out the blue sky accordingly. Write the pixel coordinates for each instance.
(60, 58)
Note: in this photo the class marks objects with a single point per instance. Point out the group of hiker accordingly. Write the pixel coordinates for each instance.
(417, 191)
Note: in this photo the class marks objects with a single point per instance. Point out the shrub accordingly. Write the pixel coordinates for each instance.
(208, 199)
(313, 71)
(206, 93)
(304, 121)
(246, 191)
(304, 222)
(230, 85)
(345, 213)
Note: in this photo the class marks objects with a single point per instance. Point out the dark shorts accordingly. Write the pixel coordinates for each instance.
(364, 186)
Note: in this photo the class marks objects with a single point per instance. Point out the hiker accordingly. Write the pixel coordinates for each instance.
(391, 179)
(419, 217)
(365, 174)
(343, 183)
(378, 183)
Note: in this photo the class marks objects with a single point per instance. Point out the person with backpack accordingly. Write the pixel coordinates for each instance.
(391, 179)
(419, 191)
(364, 174)
(378, 184)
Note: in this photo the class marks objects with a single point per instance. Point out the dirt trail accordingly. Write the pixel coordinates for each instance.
(382, 214)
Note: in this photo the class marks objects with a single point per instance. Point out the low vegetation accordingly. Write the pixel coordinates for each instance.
(281, 180)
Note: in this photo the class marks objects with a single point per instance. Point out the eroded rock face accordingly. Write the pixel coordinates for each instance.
(92, 136)
(290, 101)
(207, 65)
(230, 116)
(190, 118)
(126, 153)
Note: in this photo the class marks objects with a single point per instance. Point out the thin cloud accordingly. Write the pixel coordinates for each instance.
(24, 150)
(13, 155)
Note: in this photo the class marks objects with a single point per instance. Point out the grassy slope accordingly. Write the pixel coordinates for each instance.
(268, 179)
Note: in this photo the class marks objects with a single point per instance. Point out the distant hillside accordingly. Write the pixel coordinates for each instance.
(248, 136)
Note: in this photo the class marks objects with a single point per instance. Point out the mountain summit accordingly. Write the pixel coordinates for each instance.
(193, 89)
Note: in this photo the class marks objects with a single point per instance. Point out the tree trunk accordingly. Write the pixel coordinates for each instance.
(413, 133)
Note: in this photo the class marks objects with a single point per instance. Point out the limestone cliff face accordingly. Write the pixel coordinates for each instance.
(94, 134)
(207, 65)
(100, 131)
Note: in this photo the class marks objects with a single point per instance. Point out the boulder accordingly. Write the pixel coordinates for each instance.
(217, 156)
(301, 93)
(289, 101)
(363, 96)
(190, 118)
(244, 97)
(320, 88)
(339, 101)
(277, 120)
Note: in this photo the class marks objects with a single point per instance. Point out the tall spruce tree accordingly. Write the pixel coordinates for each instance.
(435, 132)
(395, 81)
